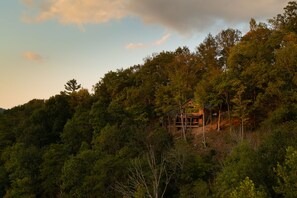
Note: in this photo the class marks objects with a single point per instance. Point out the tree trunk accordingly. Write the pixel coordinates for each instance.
(242, 126)
(219, 120)
(229, 112)
(186, 122)
(169, 124)
(183, 127)
(203, 128)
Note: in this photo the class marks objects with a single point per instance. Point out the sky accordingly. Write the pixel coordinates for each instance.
(45, 43)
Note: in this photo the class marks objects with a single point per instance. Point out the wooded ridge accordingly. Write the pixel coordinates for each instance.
(119, 140)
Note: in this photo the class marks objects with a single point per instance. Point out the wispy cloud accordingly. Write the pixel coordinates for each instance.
(192, 15)
(32, 56)
(158, 42)
(135, 45)
(28, 2)
(78, 12)
(162, 40)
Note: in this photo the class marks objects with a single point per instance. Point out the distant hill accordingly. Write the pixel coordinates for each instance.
(1, 110)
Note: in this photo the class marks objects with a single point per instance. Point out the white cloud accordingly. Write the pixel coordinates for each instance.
(162, 40)
(32, 56)
(179, 15)
(135, 45)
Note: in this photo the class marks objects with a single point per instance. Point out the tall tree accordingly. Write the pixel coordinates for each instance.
(226, 39)
(207, 53)
(288, 20)
(72, 86)
(241, 107)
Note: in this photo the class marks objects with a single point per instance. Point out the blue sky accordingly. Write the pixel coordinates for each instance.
(45, 43)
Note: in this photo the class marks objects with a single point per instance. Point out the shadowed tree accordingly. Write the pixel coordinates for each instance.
(288, 20)
(72, 86)
(208, 54)
(226, 39)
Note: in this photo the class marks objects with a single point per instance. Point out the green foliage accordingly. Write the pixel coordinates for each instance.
(286, 174)
(287, 20)
(75, 173)
(183, 73)
(13, 121)
(198, 188)
(273, 151)
(283, 114)
(99, 115)
(207, 53)
(53, 160)
(110, 139)
(247, 189)
(22, 166)
(46, 123)
(226, 39)
(77, 144)
(7, 136)
(4, 181)
(192, 171)
(76, 131)
(239, 165)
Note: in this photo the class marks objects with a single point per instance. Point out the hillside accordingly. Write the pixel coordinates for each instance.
(123, 140)
(1, 110)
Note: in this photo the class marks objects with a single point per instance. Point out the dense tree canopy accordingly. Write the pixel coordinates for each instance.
(115, 143)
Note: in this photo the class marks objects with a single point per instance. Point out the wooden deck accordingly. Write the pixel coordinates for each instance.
(187, 126)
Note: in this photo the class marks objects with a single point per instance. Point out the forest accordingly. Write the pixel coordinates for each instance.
(114, 142)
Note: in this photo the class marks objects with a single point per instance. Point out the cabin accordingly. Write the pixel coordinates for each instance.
(189, 116)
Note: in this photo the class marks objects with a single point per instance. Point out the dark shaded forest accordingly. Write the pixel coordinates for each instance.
(115, 143)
